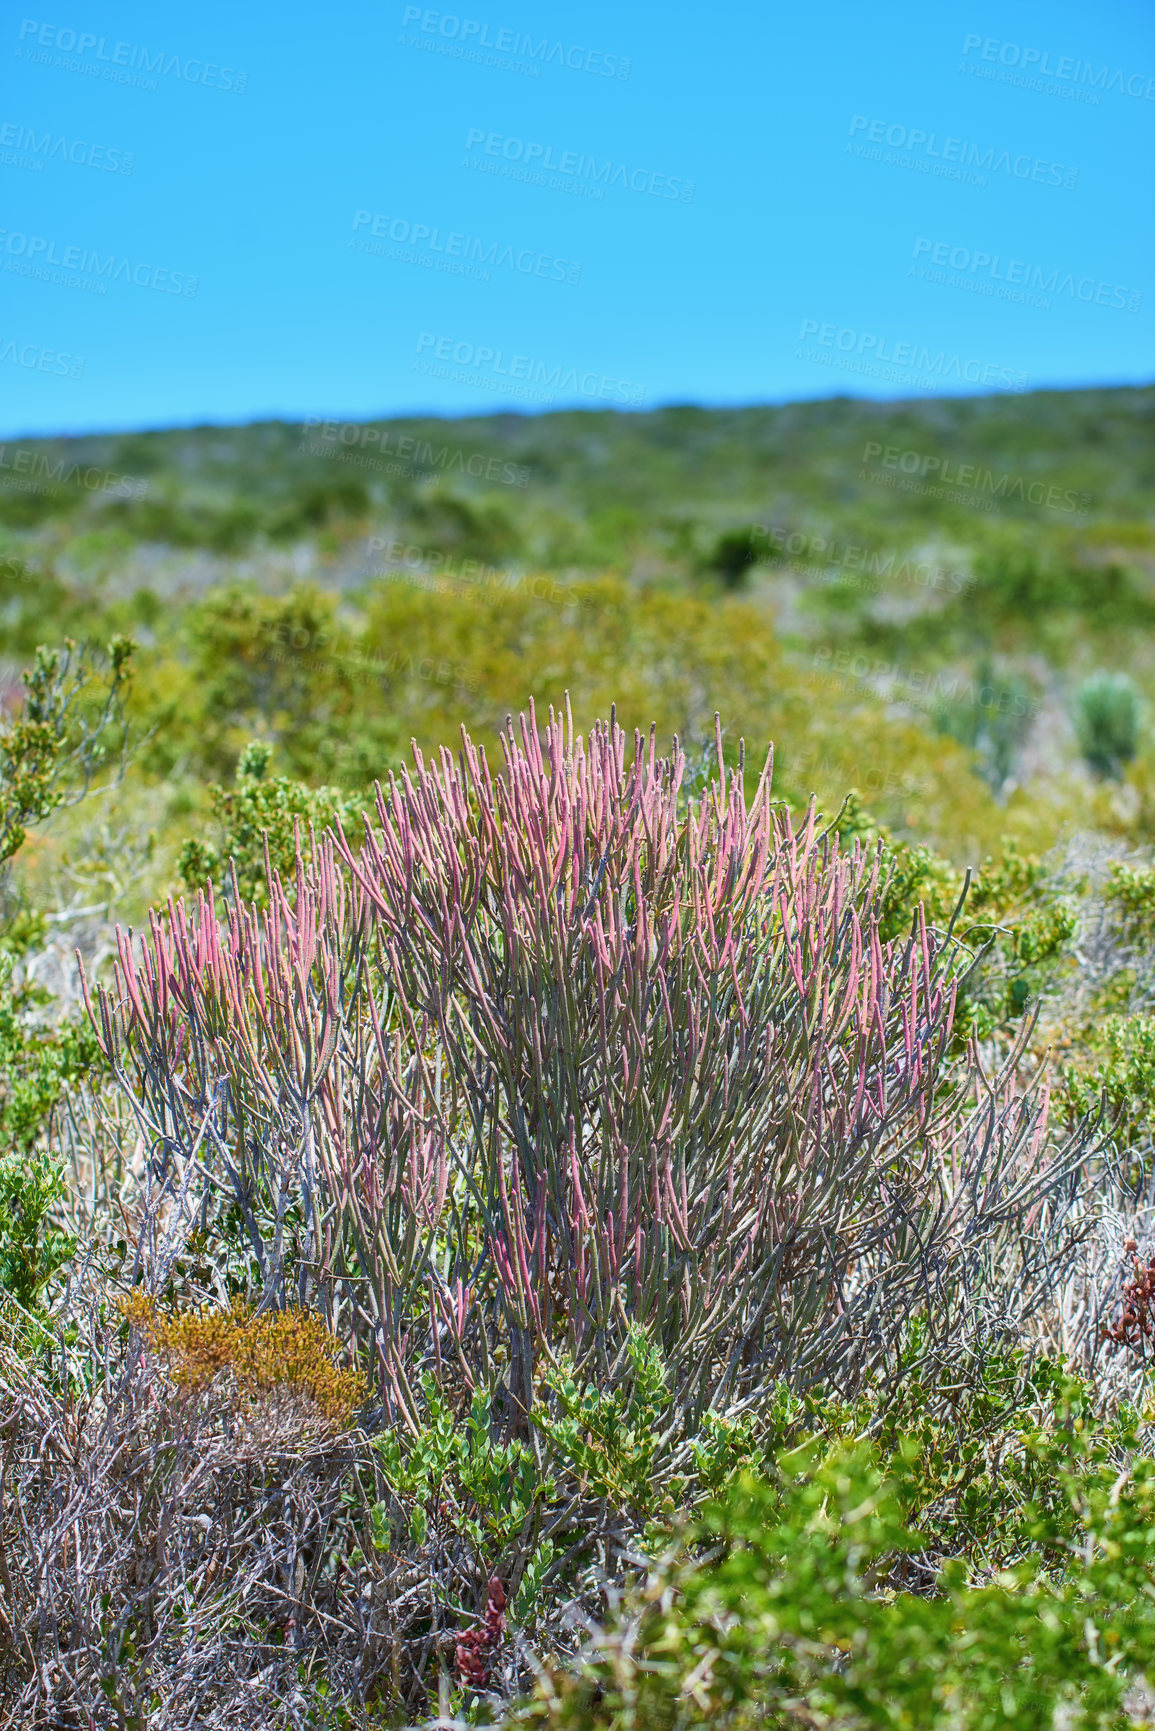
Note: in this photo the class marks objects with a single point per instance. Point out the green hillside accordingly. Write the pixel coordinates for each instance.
(905, 597)
(586, 487)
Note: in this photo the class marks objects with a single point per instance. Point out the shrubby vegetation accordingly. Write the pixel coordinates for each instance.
(595, 1232)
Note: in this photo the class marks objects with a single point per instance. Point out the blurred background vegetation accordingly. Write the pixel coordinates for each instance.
(971, 655)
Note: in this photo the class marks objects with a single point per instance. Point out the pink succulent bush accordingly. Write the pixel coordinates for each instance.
(546, 1058)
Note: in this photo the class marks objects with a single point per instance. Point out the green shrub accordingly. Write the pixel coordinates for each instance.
(37, 1064)
(799, 1614)
(735, 553)
(1131, 890)
(1107, 722)
(60, 739)
(1123, 1077)
(259, 814)
(994, 729)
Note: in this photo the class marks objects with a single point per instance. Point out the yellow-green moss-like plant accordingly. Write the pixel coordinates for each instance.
(279, 1350)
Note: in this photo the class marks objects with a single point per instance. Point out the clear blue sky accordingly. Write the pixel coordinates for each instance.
(766, 202)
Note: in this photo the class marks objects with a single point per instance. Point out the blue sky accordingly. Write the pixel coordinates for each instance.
(213, 213)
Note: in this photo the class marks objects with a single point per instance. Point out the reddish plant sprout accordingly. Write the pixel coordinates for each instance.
(1137, 1323)
(475, 1648)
